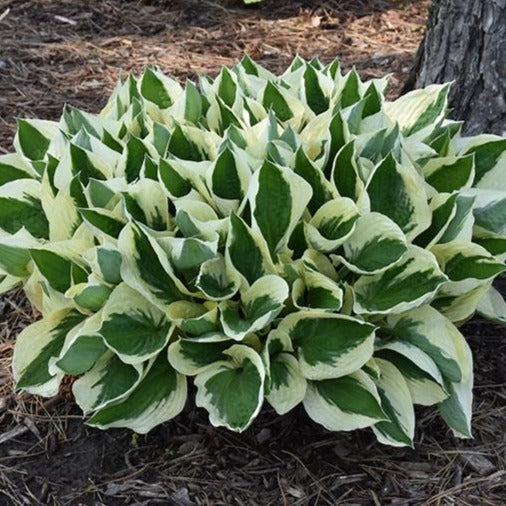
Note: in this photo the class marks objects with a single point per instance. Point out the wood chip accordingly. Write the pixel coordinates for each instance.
(316, 21)
(479, 463)
(15, 432)
(296, 492)
(63, 19)
(4, 14)
(263, 436)
(31, 426)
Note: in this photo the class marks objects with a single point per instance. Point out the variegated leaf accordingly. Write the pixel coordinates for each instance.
(493, 306)
(36, 345)
(423, 377)
(158, 397)
(285, 385)
(331, 225)
(329, 345)
(410, 283)
(132, 327)
(434, 334)
(346, 403)
(397, 191)
(375, 244)
(397, 404)
(259, 305)
(277, 191)
(108, 382)
(232, 390)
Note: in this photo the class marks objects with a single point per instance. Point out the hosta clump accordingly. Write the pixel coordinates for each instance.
(289, 239)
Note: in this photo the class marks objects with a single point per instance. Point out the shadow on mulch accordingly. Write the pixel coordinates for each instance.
(49, 457)
(279, 460)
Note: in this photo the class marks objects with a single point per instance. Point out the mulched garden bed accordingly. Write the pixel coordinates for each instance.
(64, 51)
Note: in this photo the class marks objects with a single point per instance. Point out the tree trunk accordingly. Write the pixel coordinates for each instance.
(465, 42)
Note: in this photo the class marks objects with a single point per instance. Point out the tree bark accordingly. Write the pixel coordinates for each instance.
(465, 42)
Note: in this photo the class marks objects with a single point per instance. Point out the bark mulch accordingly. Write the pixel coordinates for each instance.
(54, 52)
(67, 51)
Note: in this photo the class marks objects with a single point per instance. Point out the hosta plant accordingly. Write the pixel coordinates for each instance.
(281, 240)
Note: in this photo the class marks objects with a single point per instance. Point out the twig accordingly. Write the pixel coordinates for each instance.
(63, 19)
(4, 14)
(15, 432)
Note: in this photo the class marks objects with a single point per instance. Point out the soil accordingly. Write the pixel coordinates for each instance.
(56, 52)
